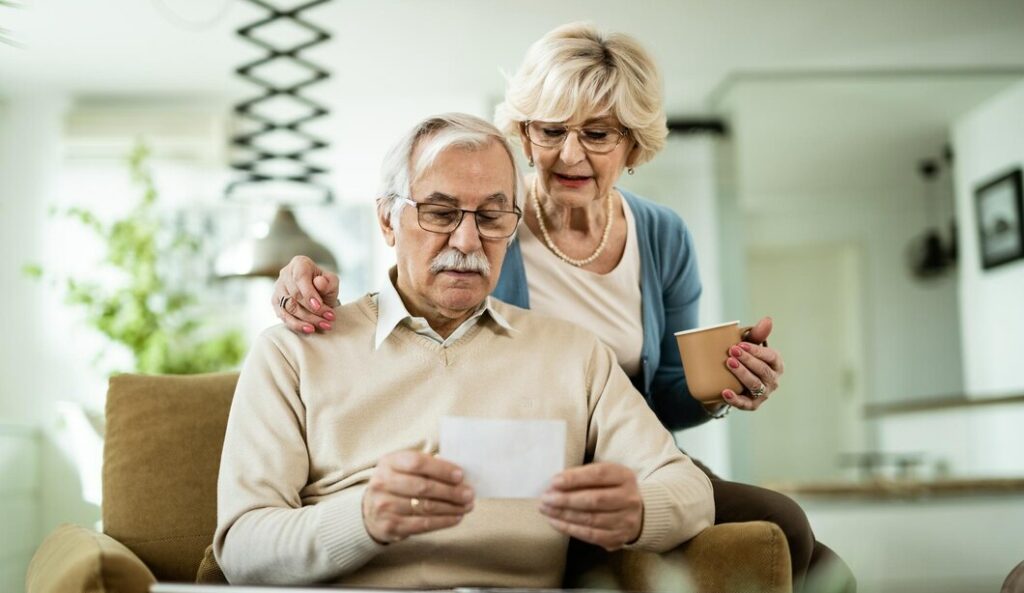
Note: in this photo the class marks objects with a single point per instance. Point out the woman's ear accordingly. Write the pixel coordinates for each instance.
(524, 139)
(633, 155)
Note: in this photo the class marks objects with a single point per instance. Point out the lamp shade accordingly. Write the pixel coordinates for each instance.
(265, 256)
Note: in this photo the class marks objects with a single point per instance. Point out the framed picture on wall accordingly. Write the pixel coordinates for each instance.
(1000, 220)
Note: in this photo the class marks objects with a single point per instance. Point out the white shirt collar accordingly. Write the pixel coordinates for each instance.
(391, 312)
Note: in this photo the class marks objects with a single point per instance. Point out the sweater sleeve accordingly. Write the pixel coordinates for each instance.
(677, 496)
(265, 535)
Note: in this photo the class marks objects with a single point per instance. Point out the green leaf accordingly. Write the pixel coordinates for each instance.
(34, 271)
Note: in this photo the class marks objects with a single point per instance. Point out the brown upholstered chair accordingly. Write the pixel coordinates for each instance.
(161, 455)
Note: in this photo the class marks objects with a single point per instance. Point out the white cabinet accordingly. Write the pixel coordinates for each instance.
(936, 544)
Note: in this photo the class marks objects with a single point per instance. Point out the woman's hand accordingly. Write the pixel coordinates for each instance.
(304, 295)
(598, 503)
(412, 492)
(757, 367)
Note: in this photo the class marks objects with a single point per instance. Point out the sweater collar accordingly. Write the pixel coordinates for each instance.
(391, 312)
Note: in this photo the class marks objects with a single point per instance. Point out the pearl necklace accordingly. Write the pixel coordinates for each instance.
(579, 263)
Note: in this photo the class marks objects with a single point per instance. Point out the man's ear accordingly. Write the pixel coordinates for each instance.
(386, 228)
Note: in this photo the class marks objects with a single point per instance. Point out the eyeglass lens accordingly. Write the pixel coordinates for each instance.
(595, 138)
(492, 224)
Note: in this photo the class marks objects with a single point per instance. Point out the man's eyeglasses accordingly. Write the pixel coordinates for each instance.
(444, 219)
(595, 138)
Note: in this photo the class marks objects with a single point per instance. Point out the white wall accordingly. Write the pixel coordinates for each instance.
(987, 440)
(41, 359)
(19, 506)
(989, 141)
(910, 327)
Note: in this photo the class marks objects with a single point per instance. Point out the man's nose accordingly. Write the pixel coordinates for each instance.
(572, 150)
(466, 237)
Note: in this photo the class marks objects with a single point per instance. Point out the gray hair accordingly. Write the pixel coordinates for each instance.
(437, 134)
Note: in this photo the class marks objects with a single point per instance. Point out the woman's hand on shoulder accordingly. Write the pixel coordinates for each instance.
(757, 366)
(304, 295)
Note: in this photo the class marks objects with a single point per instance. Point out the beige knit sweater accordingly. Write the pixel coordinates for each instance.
(311, 417)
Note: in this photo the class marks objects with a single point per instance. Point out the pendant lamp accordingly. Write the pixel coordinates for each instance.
(273, 146)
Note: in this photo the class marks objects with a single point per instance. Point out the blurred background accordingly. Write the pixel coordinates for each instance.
(845, 167)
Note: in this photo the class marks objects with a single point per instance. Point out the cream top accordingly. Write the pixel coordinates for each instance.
(606, 304)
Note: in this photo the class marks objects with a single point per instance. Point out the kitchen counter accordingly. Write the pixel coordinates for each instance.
(885, 488)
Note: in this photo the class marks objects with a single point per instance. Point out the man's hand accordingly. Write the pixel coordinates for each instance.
(304, 295)
(598, 503)
(412, 492)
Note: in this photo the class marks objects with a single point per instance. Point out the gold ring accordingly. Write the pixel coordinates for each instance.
(414, 503)
(760, 391)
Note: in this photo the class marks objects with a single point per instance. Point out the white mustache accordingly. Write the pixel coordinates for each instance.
(453, 260)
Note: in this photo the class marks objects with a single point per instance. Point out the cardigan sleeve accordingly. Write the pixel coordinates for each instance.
(676, 262)
(265, 535)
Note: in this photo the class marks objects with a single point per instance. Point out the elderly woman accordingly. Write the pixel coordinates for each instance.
(585, 107)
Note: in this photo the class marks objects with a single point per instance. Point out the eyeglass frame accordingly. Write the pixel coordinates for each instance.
(462, 215)
(623, 132)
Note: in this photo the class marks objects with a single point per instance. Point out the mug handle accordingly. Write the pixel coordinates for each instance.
(746, 330)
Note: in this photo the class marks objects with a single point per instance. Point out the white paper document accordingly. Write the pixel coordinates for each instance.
(504, 458)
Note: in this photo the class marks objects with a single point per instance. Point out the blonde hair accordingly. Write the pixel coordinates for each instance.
(577, 70)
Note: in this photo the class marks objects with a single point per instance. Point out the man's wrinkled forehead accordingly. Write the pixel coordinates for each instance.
(495, 200)
(453, 194)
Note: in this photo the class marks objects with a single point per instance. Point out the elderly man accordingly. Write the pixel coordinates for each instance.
(324, 477)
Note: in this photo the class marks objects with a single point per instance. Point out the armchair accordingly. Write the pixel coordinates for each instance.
(160, 461)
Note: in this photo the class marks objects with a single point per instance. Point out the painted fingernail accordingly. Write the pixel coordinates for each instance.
(314, 303)
(745, 346)
(324, 325)
(734, 363)
(735, 351)
(329, 315)
(307, 328)
(728, 394)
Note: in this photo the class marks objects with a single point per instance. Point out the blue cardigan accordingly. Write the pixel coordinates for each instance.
(669, 290)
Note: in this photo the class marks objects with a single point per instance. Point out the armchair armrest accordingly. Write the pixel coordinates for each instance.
(735, 557)
(739, 557)
(75, 559)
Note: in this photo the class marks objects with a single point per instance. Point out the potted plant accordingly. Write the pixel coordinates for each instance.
(158, 321)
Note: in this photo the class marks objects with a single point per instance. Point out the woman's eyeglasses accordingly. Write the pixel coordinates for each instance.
(595, 138)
